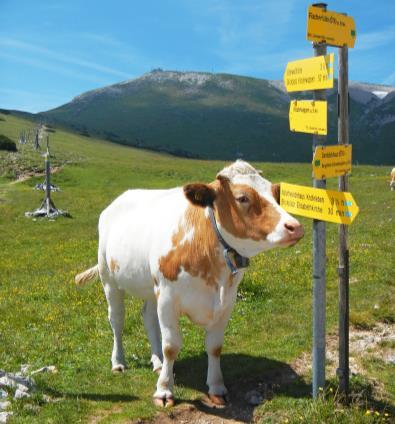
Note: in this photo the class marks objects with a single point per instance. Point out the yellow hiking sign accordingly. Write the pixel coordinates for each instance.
(308, 116)
(315, 73)
(330, 27)
(326, 205)
(331, 161)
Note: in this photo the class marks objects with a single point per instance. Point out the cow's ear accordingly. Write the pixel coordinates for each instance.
(223, 178)
(276, 192)
(200, 194)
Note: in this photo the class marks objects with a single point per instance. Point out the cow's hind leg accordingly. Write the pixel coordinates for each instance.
(171, 345)
(151, 323)
(116, 316)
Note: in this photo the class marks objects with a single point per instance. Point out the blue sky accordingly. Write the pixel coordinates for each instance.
(53, 50)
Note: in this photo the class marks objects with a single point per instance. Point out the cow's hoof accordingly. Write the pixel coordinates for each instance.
(218, 401)
(163, 402)
(118, 369)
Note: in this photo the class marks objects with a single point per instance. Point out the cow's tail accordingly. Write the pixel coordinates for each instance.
(87, 275)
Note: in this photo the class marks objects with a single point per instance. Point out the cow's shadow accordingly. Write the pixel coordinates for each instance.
(242, 374)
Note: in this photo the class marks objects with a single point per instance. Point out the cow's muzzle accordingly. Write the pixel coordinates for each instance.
(294, 232)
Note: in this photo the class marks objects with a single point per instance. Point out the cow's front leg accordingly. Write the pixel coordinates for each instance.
(171, 345)
(214, 338)
(116, 316)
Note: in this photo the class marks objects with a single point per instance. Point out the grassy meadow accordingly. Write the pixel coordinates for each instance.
(45, 320)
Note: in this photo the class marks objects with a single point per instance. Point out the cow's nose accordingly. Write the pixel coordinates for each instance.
(294, 229)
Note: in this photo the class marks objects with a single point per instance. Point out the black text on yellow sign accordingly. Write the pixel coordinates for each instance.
(331, 28)
(314, 73)
(325, 205)
(308, 116)
(332, 161)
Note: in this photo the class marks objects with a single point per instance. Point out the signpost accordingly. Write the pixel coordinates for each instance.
(309, 74)
(325, 205)
(335, 29)
(47, 208)
(308, 116)
(343, 371)
(331, 161)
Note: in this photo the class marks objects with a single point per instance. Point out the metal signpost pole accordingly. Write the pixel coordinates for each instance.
(343, 270)
(319, 259)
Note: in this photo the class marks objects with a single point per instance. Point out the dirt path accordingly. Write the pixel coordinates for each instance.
(375, 342)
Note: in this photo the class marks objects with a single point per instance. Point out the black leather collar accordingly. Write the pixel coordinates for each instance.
(239, 260)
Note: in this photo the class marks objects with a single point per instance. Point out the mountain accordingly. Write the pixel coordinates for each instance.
(221, 116)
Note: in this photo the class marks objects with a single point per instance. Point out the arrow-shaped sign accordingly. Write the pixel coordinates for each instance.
(326, 205)
(332, 28)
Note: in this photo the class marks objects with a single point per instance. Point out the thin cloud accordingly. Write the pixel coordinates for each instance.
(53, 68)
(264, 20)
(390, 79)
(371, 40)
(245, 33)
(50, 54)
(261, 63)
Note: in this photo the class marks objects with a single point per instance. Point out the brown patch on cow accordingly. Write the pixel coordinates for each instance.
(170, 353)
(254, 219)
(200, 256)
(114, 266)
(217, 351)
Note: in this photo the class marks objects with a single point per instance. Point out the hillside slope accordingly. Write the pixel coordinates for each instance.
(46, 320)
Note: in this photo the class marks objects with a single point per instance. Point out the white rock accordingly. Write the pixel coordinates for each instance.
(19, 394)
(49, 368)
(390, 359)
(3, 394)
(5, 404)
(7, 382)
(25, 368)
(4, 417)
(22, 388)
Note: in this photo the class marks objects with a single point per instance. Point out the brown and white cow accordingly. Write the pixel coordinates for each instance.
(163, 246)
(392, 182)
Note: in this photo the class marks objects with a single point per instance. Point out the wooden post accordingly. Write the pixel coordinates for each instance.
(48, 183)
(343, 270)
(319, 260)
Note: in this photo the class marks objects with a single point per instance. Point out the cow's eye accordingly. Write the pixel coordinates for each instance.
(242, 199)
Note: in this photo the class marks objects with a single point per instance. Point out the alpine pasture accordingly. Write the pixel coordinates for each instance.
(46, 320)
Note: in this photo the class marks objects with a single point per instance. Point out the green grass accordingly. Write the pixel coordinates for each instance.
(45, 320)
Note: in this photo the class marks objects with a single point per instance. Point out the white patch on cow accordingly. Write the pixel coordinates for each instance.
(188, 236)
(136, 230)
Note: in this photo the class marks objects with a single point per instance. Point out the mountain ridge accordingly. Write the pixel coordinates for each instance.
(224, 116)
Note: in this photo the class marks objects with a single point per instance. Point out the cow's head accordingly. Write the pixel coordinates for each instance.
(247, 209)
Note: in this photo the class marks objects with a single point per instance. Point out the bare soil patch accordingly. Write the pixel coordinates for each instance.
(364, 342)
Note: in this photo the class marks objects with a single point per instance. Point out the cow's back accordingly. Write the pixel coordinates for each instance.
(135, 230)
